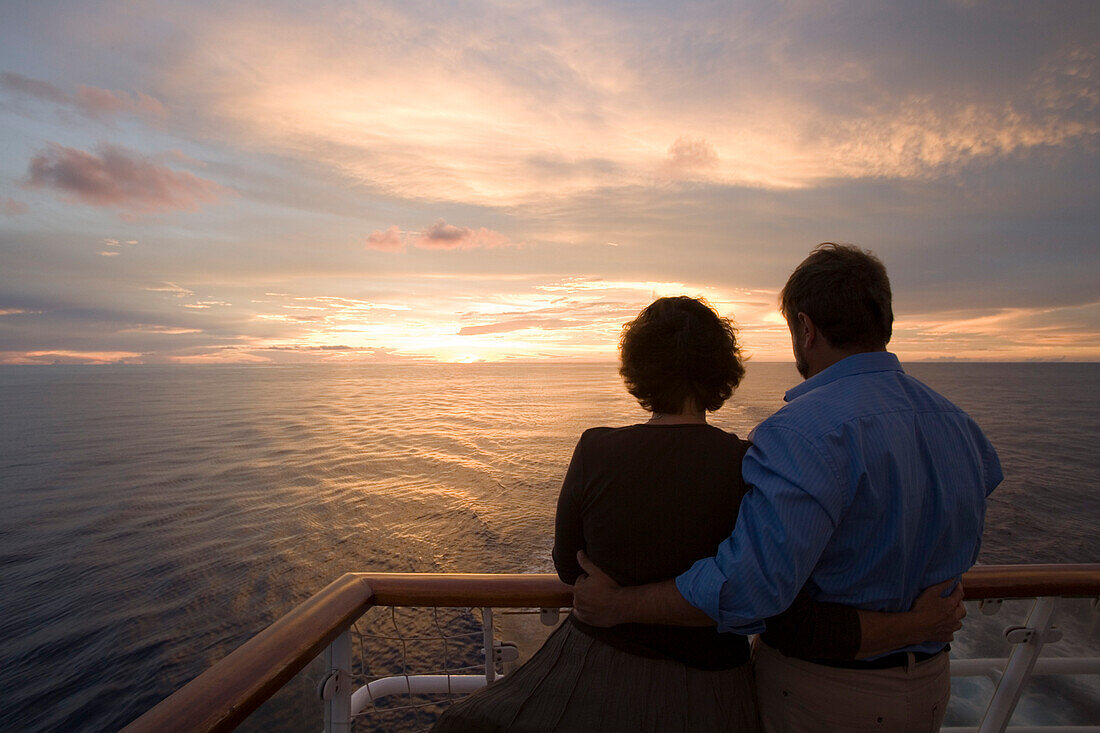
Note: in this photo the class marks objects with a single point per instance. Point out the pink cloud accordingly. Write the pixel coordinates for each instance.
(92, 102)
(388, 240)
(517, 324)
(119, 178)
(32, 87)
(440, 236)
(69, 357)
(688, 157)
(12, 207)
(101, 104)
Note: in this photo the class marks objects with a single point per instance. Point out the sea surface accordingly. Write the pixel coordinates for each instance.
(153, 518)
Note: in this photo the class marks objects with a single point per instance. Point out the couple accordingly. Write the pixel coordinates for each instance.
(853, 511)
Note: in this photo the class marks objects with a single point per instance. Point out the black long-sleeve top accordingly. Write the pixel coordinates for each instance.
(645, 502)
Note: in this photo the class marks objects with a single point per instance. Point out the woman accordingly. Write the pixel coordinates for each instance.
(644, 502)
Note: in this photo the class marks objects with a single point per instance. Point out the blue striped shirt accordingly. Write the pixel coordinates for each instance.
(867, 485)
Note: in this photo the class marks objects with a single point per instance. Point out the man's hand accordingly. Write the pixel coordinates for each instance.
(938, 617)
(595, 595)
(600, 601)
(932, 617)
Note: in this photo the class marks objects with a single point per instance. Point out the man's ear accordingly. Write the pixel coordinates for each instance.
(807, 331)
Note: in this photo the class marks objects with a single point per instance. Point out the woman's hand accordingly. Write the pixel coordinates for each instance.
(938, 617)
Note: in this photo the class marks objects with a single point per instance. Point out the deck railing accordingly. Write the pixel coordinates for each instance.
(224, 695)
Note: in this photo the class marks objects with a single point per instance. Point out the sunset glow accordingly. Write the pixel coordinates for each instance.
(266, 183)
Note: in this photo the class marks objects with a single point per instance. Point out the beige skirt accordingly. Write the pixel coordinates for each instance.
(576, 683)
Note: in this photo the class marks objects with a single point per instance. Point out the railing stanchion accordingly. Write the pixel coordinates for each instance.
(487, 638)
(1029, 641)
(337, 688)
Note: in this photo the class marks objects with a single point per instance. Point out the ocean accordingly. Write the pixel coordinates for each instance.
(153, 518)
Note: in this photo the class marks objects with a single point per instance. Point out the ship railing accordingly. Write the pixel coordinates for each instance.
(223, 696)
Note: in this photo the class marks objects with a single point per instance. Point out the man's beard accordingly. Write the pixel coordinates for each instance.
(800, 362)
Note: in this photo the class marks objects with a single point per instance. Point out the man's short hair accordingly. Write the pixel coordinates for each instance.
(845, 292)
(679, 348)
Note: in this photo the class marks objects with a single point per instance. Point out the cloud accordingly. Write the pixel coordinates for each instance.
(67, 356)
(222, 355)
(92, 102)
(1031, 332)
(361, 353)
(508, 107)
(35, 88)
(159, 329)
(688, 158)
(12, 207)
(517, 324)
(104, 104)
(959, 144)
(119, 178)
(447, 235)
(388, 240)
(442, 235)
(176, 290)
(439, 236)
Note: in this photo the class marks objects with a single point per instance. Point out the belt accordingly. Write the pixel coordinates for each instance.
(890, 661)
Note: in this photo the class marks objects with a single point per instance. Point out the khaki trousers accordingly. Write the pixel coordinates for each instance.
(794, 695)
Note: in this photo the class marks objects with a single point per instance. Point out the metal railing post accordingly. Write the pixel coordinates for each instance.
(1029, 641)
(336, 688)
(487, 639)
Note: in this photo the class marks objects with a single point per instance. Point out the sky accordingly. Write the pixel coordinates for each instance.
(276, 182)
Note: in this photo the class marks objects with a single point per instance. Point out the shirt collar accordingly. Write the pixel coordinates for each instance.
(871, 361)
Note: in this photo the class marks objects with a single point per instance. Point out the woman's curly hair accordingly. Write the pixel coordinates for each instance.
(679, 348)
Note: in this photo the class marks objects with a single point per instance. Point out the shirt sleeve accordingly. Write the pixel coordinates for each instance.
(568, 528)
(783, 526)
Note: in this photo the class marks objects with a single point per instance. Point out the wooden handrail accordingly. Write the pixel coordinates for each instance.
(519, 590)
(1031, 581)
(227, 693)
(224, 695)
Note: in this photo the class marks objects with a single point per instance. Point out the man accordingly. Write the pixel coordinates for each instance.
(867, 487)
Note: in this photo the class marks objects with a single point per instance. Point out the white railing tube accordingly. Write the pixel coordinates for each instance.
(1029, 645)
(415, 684)
(994, 667)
